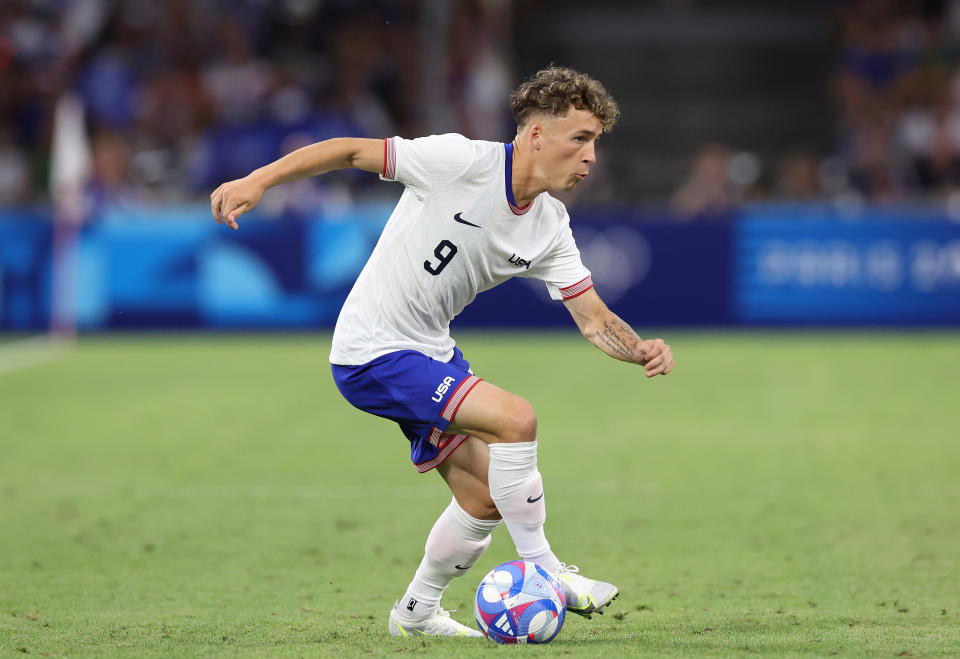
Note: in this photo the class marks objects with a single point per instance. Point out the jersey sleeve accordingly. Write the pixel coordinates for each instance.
(427, 164)
(561, 268)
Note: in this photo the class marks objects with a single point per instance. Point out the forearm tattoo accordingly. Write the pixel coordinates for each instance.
(619, 340)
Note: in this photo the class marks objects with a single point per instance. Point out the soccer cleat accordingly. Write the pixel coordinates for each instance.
(438, 624)
(585, 596)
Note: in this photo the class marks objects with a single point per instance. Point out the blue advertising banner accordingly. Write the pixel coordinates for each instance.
(650, 273)
(26, 243)
(894, 272)
(176, 268)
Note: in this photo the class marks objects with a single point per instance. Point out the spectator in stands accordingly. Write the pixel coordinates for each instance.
(479, 76)
(238, 80)
(14, 170)
(798, 177)
(173, 110)
(109, 80)
(708, 189)
(928, 139)
(873, 63)
(110, 182)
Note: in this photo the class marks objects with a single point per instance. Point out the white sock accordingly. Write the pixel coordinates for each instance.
(517, 489)
(455, 543)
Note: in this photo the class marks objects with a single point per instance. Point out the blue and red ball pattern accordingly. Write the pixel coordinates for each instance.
(520, 602)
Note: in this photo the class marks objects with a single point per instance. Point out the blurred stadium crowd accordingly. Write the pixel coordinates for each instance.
(182, 95)
(897, 88)
(896, 91)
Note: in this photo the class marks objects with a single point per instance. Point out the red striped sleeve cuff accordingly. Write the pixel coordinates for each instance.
(389, 159)
(579, 288)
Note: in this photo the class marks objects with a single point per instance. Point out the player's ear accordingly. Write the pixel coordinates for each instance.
(536, 135)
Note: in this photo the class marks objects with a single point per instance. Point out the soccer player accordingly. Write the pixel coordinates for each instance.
(472, 215)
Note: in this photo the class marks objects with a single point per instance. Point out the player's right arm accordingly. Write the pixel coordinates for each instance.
(607, 331)
(233, 199)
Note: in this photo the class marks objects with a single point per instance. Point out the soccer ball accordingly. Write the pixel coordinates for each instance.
(520, 602)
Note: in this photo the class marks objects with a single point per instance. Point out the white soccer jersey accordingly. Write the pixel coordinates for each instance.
(455, 232)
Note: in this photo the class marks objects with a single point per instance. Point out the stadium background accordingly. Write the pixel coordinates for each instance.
(779, 201)
(774, 164)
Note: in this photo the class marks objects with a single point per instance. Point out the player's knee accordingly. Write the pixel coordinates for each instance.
(522, 422)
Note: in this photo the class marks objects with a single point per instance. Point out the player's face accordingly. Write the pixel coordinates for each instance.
(568, 148)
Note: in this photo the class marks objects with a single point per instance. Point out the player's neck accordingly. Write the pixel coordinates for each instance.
(526, 183)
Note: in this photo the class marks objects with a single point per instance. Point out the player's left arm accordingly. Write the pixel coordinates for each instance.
(607, 331)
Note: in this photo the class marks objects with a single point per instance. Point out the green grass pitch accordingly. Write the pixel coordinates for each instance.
(779, 494)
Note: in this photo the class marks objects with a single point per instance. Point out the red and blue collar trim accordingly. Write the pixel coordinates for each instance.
(508, 177)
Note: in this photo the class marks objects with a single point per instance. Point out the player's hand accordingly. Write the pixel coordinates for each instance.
(657, 358)
(233, 199)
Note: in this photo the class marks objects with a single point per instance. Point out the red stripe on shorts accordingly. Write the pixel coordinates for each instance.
(451, 444)
(456, 398)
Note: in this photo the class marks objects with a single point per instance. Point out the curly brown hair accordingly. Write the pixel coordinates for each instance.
(554, 89)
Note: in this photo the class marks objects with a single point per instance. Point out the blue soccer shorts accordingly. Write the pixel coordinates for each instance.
(421, 394)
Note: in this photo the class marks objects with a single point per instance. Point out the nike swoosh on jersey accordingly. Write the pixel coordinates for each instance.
(463, 221)
(529, 500)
